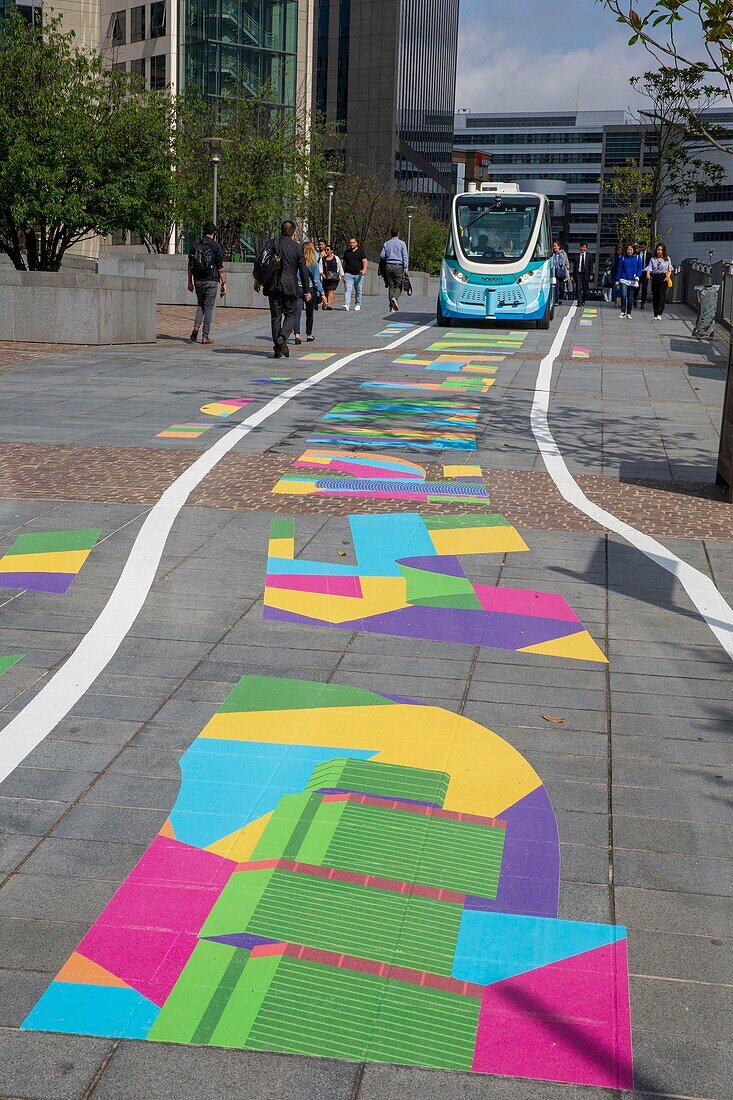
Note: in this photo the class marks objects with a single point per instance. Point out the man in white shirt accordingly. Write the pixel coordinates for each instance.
(394, 261)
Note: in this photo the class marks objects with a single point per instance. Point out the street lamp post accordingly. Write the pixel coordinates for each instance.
(410, 212)
(331, 186)
(216, 147)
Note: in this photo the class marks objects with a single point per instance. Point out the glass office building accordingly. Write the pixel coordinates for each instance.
(386, 71)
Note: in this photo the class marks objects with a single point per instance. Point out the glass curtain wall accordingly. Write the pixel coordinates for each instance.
(233, 47)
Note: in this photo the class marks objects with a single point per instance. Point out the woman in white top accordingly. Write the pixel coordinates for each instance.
(332, 274)
(659, 270)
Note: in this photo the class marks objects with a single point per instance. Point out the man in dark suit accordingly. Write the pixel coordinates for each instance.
(643, 287)
(284, 297)
(582, 272)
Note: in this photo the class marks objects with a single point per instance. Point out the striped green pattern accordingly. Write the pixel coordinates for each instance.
(451, 523)
(385, 780)
(276, 693)
(441, 852)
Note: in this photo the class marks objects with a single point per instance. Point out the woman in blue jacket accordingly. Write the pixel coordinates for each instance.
(314, 272)
(628, 273)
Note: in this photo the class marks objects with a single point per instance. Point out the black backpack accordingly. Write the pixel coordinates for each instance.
(268, 268)
(201, 259)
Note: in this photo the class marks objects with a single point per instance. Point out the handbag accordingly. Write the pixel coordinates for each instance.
(407, 285)
(669, 279)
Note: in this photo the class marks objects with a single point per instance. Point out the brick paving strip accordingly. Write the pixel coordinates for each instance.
(138, 475)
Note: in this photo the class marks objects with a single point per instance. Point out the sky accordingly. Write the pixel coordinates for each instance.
(529, 55)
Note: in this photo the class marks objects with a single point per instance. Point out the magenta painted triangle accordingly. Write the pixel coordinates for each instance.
(569, 1021)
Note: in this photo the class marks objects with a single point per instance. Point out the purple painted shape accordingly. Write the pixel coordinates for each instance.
(449, 566)
(465, 626)
(149, 929)
(403, 699)
(38, 582)
(241, 939)
(369, 794)
(529, 881)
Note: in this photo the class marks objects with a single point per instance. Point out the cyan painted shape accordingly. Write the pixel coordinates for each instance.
(82, 1009)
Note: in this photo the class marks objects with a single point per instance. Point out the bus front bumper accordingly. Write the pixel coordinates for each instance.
(510, 302)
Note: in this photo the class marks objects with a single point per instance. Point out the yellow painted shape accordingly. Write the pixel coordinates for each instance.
(219, 408)
(462, 471)
(59, 561)
(477, 540)
(240, 844)
(81, 970)
(281, 548)
(487, 774)
(578, 647)
(295, 489)
(379, 595)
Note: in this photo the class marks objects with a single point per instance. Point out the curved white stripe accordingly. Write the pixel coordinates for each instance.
(705, 596)
(99, 645)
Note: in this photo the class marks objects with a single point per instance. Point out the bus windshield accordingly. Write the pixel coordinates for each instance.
(495, 229)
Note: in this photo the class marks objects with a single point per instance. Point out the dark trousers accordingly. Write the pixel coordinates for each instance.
(659, 294)
(206, 290)
(582, 284)
(282, 314)
(310, 308)
(395, 275)
(641, 292)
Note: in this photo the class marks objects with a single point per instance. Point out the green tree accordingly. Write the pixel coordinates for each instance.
(84, 150)
(655, 24)
(678, 171)
(629, 190)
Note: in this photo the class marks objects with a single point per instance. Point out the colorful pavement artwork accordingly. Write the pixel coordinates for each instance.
(318, 356)
(457, 385)
(446, 425)
(478, 340)
(352, 876)
(381, 477)
(408, 582)
(580, 353)
(46, 561)
(9, 661)
(588, 316)
(452, 363)
(278, 378)
(184, 431)
(226, 406)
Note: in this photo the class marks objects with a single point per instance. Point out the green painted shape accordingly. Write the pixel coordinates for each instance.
(288, 818)
(189, 1000)
(52, 542)
(218, 1003)
(9, 661)
(348, 918)
(434, 851)
(452, 523)
(282, 529)
(321, 832)
(424, 587)
(256, 693)
(385, 780)
(313, 1008)
(246, 1001)
(237, 902)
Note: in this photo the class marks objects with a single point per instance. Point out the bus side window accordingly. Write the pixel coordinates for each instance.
(450, 251)
(542, 251)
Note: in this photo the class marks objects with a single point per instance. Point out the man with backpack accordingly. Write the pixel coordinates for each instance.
(276, 275)
(205, 276)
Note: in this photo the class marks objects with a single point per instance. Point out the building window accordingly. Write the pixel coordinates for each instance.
(715, 216)
(119, 67)
(117, 31)
(157, 20)
(137, 67)
(157, 71)
(137, 24)
(720, 235)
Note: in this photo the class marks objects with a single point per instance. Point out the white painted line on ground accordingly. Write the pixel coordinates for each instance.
(99, 645)
(705, 596)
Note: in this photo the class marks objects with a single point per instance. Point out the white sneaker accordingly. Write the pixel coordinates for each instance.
(347, 308)
(657, 317)
(356, 309)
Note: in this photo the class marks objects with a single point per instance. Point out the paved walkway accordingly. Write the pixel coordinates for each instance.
(373, 718)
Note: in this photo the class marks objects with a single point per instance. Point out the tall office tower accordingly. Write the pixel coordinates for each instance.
(386, 72)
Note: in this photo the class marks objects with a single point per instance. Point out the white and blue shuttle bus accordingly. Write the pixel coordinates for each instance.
(498, 264)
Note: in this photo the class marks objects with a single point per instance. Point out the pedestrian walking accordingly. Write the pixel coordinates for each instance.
(332, 274)
(396, 261)
(582, 273)
(659, 274)
(206, 277)
(560, 269)
(355, 266)
(644, 257)
(283, 294)
(628, 274)
(313, 263)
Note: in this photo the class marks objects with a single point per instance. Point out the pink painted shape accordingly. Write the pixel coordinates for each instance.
(328, 586)
(568, 1021)
(148, 931)
(343, 466)
(237, 402)
(523, 601)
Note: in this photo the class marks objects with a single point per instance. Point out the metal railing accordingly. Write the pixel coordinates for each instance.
(690, 274)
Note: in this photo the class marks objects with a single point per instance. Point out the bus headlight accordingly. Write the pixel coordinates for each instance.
(458, 275)
(527, 276)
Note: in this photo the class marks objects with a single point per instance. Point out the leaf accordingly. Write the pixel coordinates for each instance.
(552, 718)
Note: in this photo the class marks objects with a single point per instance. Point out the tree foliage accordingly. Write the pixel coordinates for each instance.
(655, 24)
(629, 190)
(84, 150)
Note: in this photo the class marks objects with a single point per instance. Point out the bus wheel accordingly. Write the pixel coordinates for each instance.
(441, 318)
(544, 321)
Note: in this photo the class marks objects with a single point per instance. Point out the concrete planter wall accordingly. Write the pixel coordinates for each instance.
(76, 306)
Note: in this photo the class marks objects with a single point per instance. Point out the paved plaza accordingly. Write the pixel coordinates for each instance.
(353, 748)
